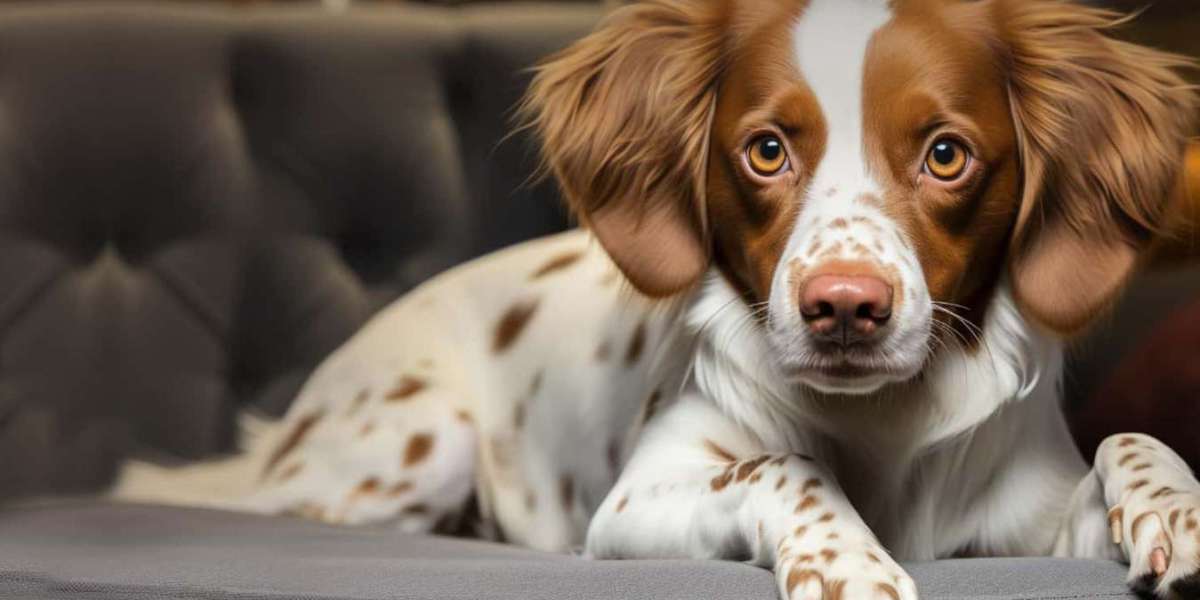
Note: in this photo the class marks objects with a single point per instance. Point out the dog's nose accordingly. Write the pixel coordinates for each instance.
(846, 309)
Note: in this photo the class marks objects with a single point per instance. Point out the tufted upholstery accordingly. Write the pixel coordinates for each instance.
(198, 204)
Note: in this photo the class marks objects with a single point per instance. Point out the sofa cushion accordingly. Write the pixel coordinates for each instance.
(102, 551)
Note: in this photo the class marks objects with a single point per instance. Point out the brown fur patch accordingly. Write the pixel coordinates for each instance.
(557, 263)
(749, 466)
(301, 430)
(1162, 491)
(418, 449)
(800, 530)
(1126, 458)
(810, 484)
(719, 452)
(406, 388)
(637, 345)
(416, 509)
(719, 482)
(1127, 442)
(512, 324)
(464, 416)
(782, 482)
(796, 578)
(1137, 484)
(871, 556)
(806, 503)
(829, 555)
(369, 485)
(622, 503)
(566, 491)
(1141, 467)
(888, 589)
(825, 518)
(1172, 519)
(400, 488)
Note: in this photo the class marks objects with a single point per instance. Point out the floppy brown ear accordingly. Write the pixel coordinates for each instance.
(1102, 126)
(623, 117)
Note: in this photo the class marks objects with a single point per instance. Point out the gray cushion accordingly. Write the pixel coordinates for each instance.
(81, 550)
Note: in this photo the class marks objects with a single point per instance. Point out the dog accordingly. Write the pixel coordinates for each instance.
(814, 319)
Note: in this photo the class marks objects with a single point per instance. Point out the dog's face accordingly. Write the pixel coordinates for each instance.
(866, 174)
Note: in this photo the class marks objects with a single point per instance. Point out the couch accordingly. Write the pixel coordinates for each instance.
(198, 203)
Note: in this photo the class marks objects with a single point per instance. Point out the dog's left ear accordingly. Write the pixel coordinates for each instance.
(1102, 127)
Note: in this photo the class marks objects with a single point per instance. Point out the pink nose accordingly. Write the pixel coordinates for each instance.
(846, 309)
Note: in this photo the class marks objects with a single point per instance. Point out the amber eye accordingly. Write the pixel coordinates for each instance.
(766, 155)
(947, 159)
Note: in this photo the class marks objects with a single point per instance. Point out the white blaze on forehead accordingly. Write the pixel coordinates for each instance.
(831, 41)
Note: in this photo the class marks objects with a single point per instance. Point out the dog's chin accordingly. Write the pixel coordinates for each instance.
(849, 377)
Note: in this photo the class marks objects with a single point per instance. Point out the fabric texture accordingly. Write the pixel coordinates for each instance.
(99, 551)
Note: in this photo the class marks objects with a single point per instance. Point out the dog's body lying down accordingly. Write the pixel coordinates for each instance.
(867, 227)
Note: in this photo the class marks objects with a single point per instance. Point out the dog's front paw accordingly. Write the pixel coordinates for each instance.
(1158, 526)
(835, 573)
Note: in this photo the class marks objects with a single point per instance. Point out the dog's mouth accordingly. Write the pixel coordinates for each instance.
(847, 371)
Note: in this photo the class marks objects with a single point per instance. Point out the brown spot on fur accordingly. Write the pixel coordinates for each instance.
(1137, 484)
(637, 344)
(779, 461)
(806, 503)
(1125, 459)
(889, 589)
(1190, 524)
(622, 503)
(829, 555)
(297, 435)
(782, 482)
(825, 518)
(749, 466)
(871, 556)
(1162, 491)
(512, 324)
(290, 472)
(368, 486)
(838, 223)
(1172, 519)
(796, 578)
(418, 449)
(1127, 442)
(406, 388)
(400, 488)
(1141, 467)
(832, 536)
(806, 558)
(835, 590)
(357, 403)
(718, 451)
(652, 405)
(557, 263)
(810, 484)
(464, 416)
(566, 491)
(416, 509)
(755, 477)
(720, 481)
(800, 530)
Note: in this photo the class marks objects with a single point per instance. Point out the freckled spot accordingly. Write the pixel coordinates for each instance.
(557, 263)
(829, 555)
(782, 481)
(1125, 459)
(779, 461)
(749, 466)
(825, 518)
(357, 403)
(755, 477)
(860, 250)
(406, 388)
(838, 223)
(1128, 441)
(464, 416)
(418, 449)
(720, 481)
(368, 486)
(806, 558)
(623, 503)
(1172, 519)
(400, 488)
(888, 589)
(1190, 524)
(1141, 467)
(799, 577)
(290, 472)
(1137, 484)
(832, 536)
(1162, 491)
(416, 509)
(603, 351)
(801, 530)
(566, 491)
(652, 405)
(301, 430)
(719, 452)
(810, 484)
(806, 503)
(637, 344)
(512, 324)
(872, 557)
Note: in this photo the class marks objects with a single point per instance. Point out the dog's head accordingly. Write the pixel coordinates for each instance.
(868, 173)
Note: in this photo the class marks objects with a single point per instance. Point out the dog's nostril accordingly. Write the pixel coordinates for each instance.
(823, 310)
(846, 308)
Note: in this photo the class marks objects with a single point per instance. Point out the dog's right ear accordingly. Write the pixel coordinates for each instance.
(623, 117)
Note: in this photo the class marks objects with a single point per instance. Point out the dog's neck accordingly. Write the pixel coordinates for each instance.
(958, 390)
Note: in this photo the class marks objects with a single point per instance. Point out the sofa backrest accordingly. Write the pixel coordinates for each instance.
(197, 204)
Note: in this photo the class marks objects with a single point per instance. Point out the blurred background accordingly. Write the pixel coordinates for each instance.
(200, 200)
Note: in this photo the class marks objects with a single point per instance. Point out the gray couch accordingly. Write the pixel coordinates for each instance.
(197, 204)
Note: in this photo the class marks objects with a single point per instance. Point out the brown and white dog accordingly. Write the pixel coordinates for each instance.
(860, 230)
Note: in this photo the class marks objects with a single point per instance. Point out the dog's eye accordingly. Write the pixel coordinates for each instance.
(947, 159)
(766, 155)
